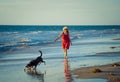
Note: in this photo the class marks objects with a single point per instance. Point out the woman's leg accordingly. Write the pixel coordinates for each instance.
(65, 52)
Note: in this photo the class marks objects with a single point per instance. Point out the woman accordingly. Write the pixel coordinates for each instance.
(66, 41)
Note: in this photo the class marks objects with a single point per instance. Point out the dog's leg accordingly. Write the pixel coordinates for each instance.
(35, 67)
(44, 62)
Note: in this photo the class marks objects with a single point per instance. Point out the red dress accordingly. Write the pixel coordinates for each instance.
(65, 41)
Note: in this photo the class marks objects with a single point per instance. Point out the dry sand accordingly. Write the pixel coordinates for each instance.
(110, 72)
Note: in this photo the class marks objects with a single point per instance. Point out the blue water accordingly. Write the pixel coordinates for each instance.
(11, 28)
(20, 44)
(17, 36)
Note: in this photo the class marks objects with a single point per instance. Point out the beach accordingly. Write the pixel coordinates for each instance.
(110, 72)
(91, 48)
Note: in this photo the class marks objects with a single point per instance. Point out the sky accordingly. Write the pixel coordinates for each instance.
(59, 12)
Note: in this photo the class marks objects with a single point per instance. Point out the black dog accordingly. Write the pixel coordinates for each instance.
(34, 63)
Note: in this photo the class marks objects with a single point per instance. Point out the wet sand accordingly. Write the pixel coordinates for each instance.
(116, 53)
(111, 72)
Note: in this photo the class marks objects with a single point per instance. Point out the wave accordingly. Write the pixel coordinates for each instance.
(21, 39)
(29, 59)
(106, 54)
(25, 40)
(35, 32)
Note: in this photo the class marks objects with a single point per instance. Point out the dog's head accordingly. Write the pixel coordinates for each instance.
(40, 51)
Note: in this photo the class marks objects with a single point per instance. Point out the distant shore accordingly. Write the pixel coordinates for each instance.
(111, 72)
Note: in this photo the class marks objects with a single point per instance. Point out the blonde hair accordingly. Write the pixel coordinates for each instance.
(65, 27)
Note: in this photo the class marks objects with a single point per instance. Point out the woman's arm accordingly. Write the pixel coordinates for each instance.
(58, 37)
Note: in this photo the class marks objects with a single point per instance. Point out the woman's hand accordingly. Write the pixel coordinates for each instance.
(55, 40)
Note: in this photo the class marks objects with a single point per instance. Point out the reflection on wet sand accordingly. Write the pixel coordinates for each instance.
(36, 74)
(67, 72)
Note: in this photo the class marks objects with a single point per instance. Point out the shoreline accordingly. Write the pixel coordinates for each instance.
(110, 72)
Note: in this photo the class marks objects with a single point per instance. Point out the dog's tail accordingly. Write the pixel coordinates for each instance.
(40, 53)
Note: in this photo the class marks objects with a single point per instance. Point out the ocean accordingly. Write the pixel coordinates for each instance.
(13, 28)
(12, 36)
(20, 43)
